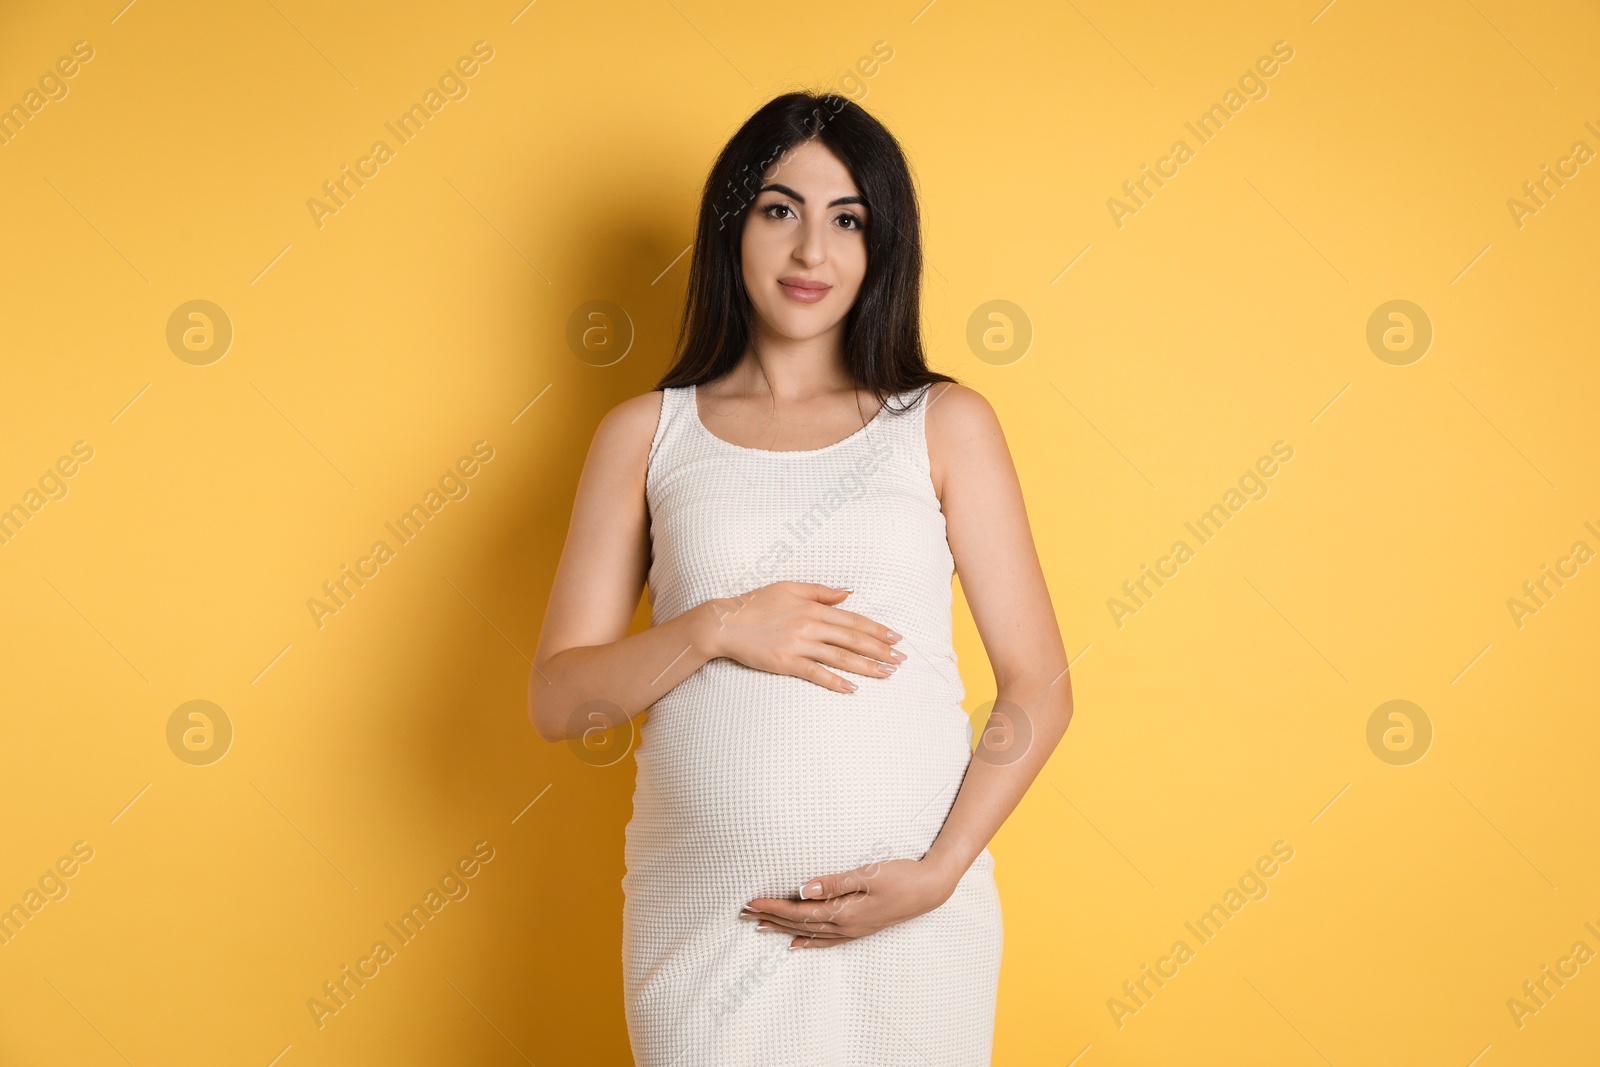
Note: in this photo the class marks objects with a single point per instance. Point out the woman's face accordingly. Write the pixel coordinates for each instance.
(806, 227)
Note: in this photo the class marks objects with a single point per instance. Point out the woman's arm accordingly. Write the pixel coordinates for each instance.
(584, 652)
(987, 527)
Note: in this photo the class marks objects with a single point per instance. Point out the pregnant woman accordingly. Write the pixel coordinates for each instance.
(808, 879)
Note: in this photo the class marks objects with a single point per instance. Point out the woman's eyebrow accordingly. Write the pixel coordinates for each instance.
(786, 191)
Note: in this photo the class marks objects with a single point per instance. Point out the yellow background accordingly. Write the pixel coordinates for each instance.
(432, 312)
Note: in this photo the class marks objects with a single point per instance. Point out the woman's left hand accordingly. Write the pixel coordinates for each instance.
(842, 907)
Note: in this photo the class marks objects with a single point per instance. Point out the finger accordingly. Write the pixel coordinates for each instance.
(828, 648)
(839, 885)
(818, 942)
(796, 911)
(782, 909)
(823, 921)
(813, 915)
(809, 669)
(817, 591)
(799, 926)
(845, 906)
(870, 628)
(864, 644)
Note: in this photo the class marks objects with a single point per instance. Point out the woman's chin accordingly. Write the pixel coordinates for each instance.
(798, 323)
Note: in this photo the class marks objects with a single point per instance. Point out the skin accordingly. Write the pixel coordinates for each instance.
(797, 394)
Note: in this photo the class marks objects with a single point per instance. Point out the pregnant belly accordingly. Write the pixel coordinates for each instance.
(772, 778)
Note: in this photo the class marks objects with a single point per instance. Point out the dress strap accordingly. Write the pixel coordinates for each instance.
(671, 402)
(908, 425)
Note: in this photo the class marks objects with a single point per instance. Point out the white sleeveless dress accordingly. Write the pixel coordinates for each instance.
(751, 783)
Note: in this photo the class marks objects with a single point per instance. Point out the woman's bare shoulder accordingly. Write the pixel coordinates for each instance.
(957, 416)
(625, 432)
(961, 428)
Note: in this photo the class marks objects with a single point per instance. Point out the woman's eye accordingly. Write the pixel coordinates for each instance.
(852, 218)
(774, 207)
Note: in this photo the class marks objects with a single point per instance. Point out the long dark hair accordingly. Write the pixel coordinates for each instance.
(883, 330)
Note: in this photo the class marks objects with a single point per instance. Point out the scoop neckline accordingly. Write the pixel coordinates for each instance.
(694, 410)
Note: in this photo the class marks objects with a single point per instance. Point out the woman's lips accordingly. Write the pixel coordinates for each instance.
(804, 296)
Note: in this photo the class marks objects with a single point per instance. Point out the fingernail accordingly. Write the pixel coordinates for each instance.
(810, 888)
(897, 655)
(893, 636)
(849, 686)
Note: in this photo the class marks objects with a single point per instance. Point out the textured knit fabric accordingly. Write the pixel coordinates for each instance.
(752, 783)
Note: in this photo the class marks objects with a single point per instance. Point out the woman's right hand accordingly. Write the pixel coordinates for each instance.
(792, 628)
